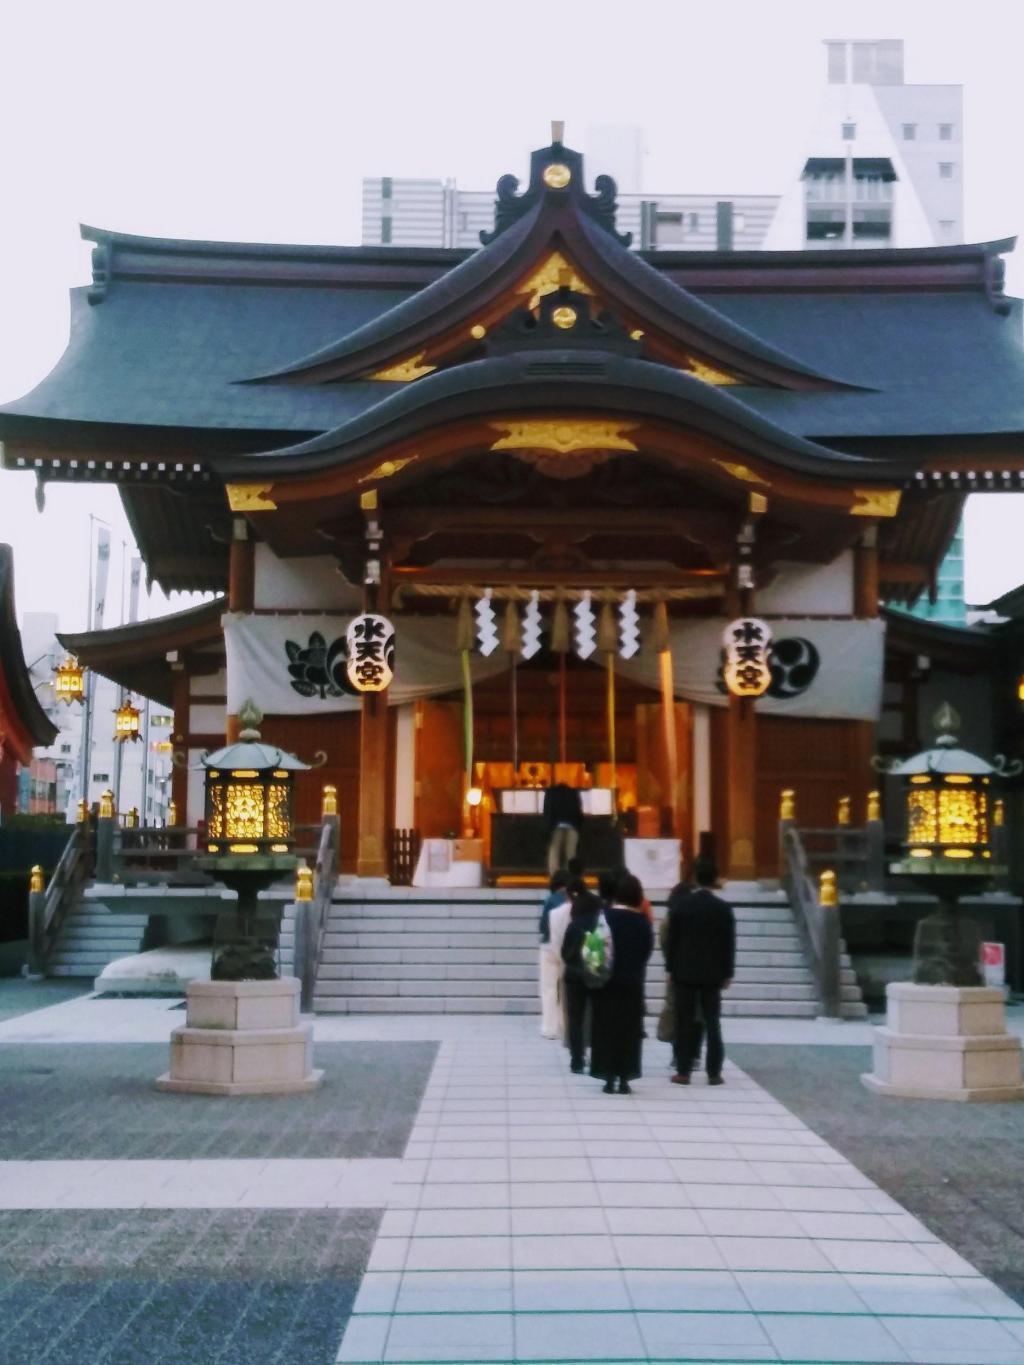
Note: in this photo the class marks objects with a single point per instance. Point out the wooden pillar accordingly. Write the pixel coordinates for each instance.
(372, 851)
(741, 789)
(865, 608)
(241, 593)
(181, 702)
(865, 575)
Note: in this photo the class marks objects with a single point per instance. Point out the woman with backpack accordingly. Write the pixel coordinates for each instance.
(617, 1008)
(585, 909)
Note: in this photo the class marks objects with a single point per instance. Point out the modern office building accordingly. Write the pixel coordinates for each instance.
(883, 165)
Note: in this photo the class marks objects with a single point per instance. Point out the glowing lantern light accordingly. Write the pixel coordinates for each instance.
(249, 793)
(69, 681)
(127, 720)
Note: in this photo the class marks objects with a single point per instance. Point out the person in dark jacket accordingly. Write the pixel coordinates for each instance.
(563, 818)
(617, 1008)
(700, 956)
(585, 909)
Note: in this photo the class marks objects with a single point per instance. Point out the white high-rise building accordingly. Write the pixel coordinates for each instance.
(883, 165)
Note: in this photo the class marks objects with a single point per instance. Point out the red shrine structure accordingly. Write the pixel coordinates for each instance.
(23, 722)
(559, 467)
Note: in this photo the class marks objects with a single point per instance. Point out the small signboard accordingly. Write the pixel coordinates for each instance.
(993, 964)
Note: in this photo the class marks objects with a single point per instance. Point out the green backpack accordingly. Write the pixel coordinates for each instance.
(596, 954)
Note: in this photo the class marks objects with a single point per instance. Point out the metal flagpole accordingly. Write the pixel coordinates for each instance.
(119, 747)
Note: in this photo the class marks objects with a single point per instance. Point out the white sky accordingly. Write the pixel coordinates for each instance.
(250, 120)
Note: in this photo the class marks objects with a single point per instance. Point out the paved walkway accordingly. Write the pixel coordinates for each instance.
(533, 1218)
(536, 1218)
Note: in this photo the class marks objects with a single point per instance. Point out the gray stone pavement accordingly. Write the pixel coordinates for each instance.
(957, 1167)
(97, 1101)
(231, 1287)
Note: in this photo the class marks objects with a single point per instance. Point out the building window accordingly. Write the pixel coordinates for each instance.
(945, 132)
(945, 170)
(909, 132)
(385, 230)
(463, 221)
(101, 777)
(849, 132)
(65, 748)
(385, 187)
(739, 222)
(669, 229)
(694, 222)
(161, 721)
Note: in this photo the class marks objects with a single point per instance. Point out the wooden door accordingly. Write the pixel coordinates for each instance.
(439, 768)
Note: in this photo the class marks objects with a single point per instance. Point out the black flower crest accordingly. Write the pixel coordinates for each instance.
(319, 668)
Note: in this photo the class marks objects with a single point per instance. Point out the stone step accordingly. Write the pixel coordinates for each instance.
(414, 970)
(467, 1004)
(410, 913)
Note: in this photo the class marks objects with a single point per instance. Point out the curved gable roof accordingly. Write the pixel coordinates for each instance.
(554, 218)
(28, 724)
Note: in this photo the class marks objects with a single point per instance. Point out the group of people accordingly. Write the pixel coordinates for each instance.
(698, 940)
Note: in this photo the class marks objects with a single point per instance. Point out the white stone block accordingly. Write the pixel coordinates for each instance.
(946, 1042)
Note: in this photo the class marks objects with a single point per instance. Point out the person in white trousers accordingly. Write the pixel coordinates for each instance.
(550, 964)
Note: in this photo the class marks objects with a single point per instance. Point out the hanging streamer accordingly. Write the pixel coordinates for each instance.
(608, 644)
(668, 720)
(586, 638)
(531, 626)
(629, 626)
(486, 625)
(467, 716)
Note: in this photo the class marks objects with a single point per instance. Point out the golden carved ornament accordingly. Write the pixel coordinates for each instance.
(708, 374)
(557, 175)
(843, 811)
(37, 880)
(827, 893)
(107, 805)
(999, 812)
(874, 805)
(564, 317)
(303, 883)
(478, 331)
(757, 504)
(329, 804)
(405, 370)
(554, 273)
(875, 502)
(562, 437)
(250, 497)
(636, 334)
(787, 804)
(387, 469)
(742, 472)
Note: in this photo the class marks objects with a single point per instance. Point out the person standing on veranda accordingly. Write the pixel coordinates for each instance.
(700, 955)
(550, 959)
(563, 819)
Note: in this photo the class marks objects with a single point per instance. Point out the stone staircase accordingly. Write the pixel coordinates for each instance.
(92, 937)
(404, 951)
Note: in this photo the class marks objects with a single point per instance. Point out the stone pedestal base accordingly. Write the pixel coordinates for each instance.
(946, 1043)
(242, 1038)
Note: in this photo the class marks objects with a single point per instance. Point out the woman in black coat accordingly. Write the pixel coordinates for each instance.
(617, 1020)
(585, 909)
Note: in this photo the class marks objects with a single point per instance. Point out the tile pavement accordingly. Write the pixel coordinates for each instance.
(536, 1219)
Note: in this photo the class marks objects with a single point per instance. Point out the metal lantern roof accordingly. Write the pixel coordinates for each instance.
(946, 756)
(249, 752)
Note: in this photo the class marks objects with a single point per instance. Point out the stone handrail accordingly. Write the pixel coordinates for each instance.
(47, 909)
(311, 916)
(817, 922)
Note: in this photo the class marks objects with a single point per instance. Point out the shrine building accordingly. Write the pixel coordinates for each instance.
(559, 468)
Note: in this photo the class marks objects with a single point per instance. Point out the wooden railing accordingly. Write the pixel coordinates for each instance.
(403, 851)
(311, 916)
(49, 907)
(818, 922)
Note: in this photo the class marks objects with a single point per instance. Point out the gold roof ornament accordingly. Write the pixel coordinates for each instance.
(563, 437)
(405, 370)
(707, 374)
(250, 497)
(557, 175)
(553, 273)
(875, 502)
(564, 317)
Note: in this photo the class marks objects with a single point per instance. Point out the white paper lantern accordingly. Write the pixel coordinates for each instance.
(370, 641)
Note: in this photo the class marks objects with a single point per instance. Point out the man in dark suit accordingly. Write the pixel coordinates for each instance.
(700, 956)
(563, 816)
